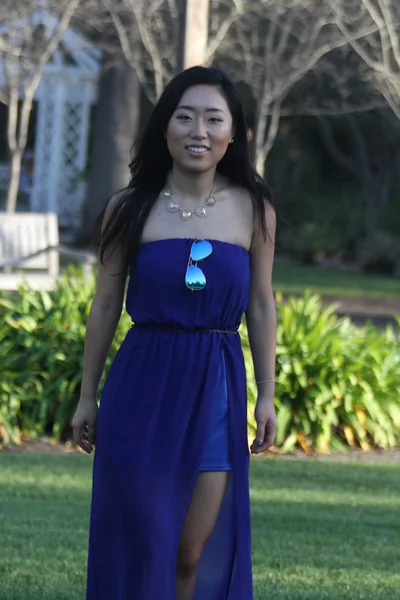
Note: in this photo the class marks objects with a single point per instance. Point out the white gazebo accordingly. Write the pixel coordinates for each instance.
(66, 93)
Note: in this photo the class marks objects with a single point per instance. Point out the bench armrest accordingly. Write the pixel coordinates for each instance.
(86, 258)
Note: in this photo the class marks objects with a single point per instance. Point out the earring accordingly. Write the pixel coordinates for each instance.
(232, 140)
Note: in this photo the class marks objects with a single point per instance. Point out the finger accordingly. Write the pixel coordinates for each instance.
(86, 447)
(92, 434)
(260, 432)
(260, 436)
(258, 448)
(80, 437)
(259, 440)
(263, 448)
(256, 445)
(269, 438)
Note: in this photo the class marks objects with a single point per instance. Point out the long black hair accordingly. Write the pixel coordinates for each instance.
(153, 162)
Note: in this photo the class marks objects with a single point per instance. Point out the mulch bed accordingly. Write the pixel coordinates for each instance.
(366, 307)
(44, 445)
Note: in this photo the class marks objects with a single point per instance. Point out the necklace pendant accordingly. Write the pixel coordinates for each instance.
(185, 214)
(172, 206)
(167, 193)
(201, 212)
(211, 201)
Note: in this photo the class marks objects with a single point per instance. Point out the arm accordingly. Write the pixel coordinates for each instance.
(261, 326)
(102, 322)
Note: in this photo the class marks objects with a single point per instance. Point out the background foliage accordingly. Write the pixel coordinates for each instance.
(41, 356)
(337, 383)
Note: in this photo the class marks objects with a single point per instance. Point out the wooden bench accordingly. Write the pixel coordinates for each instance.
(30, 251)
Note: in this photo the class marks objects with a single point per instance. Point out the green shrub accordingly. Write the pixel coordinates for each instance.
(337, 384)
(10, 391)
(42, 341)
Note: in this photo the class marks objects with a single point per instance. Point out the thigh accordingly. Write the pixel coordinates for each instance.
(204, 508)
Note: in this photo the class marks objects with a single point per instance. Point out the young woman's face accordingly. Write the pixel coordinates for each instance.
(200, 129)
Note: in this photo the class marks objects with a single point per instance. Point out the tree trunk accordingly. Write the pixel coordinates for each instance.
(267, 129)
(13, 185)
(115, 130)
(15, 171)
(196, 34)
(263, 149)
(17, 135)
(261, 159)
(193, 33)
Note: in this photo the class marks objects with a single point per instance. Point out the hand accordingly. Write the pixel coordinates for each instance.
(266, 425)
(84, 424)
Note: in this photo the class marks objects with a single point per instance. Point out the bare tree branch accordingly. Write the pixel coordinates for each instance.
(157, 27)
(236, 11)
(275, 46)
(272, 47)
(379, 47)
(26, 45)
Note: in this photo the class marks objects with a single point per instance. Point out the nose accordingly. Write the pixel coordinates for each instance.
(199, 131)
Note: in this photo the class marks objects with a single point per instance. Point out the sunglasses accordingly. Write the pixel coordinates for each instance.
(195, 279)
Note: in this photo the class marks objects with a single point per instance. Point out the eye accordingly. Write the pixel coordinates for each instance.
(215, 120)
(183, 117)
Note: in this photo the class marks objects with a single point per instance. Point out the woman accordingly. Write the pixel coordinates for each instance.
(170, 516)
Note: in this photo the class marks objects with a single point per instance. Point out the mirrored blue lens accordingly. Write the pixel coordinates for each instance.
(195, 279)
(200, 250)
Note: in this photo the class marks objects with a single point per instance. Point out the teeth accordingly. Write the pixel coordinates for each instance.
(197, 149)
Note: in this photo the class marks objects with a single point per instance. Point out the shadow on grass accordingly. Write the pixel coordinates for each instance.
(379, 478)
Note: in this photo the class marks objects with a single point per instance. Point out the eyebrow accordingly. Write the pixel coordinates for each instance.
(184, 107)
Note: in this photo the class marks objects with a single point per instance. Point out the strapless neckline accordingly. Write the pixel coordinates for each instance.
(190, 239)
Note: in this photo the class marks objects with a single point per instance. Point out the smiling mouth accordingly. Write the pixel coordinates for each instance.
(198, 149)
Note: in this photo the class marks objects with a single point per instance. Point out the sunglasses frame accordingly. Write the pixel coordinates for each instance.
(193, 263)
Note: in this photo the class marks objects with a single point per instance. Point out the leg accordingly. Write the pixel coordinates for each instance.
(199, 524)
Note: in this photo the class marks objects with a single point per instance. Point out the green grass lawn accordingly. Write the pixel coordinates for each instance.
(321, 530)
(294, 279)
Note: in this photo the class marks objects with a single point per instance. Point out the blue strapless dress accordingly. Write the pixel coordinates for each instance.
(174, 403)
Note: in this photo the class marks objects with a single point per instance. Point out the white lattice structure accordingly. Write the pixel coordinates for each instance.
(64, 98)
